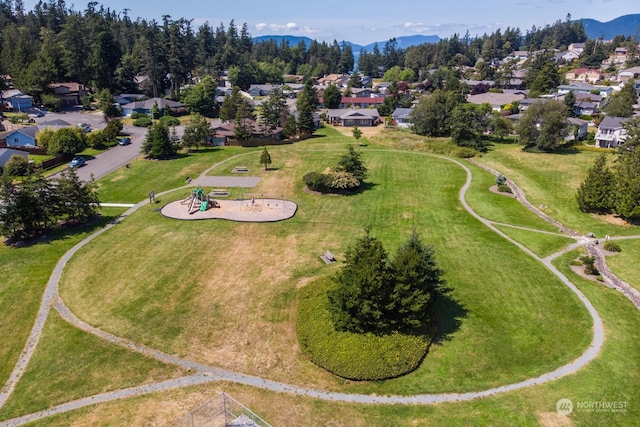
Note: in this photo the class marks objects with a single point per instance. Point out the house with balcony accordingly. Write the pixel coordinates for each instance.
(587, 75)
(69, 93)
(611, 132)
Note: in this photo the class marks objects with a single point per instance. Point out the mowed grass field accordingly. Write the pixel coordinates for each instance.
(224, 294)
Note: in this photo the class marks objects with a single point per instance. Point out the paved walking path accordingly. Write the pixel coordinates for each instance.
(206, 373)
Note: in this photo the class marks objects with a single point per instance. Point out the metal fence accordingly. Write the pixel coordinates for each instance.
(222, 411)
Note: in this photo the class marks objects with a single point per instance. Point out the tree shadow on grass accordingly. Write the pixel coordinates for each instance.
(64, 231)
(449, 314)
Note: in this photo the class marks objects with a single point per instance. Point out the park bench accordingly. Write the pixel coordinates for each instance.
(240, 169)
(328, 258)
(219, 192)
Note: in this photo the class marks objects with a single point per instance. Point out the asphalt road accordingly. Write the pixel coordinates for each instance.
(111, 159)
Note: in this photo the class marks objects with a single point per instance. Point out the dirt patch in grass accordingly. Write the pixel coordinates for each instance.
(553, 419)
(612, 219)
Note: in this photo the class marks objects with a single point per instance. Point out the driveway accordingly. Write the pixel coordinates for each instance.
(109, 160)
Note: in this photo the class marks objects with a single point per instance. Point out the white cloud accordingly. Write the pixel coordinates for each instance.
(289, 28)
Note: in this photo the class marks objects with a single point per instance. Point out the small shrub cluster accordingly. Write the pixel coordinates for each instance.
(363, 357)
(137, 115)
(589, 265)
(347, 176)
(170, 121)
(612, 246)
(464, 152)
(504, 188)
(143, 122)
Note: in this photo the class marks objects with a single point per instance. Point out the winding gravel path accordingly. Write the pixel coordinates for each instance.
(206, 373)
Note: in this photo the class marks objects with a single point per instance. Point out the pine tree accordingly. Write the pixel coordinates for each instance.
(265, 158)
(417, 282)
(306, 104)
(595, 194)
(359, 300)
(627, 173)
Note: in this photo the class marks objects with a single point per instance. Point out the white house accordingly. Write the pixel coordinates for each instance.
(402, 117)
(611, 132)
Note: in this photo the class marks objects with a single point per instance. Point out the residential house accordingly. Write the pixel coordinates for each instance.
(517, 55)
(364, 117)
(125, 98)
(402, 117)
(7, 153)
(262, 90)
(580, 89)
(584, 75)
(146, 106)
(16, 100)
(224, 132)
(54, 124)
(632, 73)
(618, 57)
(69, 93)
(497, 100)
(576, 47)
(585, 108)
(568, 56)
(611, 132)
(21, 137)
(352, 102)
(357, 92)
(580, 128)
(340, 80)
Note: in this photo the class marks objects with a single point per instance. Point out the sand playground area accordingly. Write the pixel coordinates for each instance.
(245, 210)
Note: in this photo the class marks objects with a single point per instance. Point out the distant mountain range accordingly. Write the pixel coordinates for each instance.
(401, 42)
(627, 25)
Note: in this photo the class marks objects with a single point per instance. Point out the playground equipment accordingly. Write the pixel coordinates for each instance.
(198, 201)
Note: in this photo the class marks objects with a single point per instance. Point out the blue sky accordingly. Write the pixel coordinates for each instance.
(364, 22)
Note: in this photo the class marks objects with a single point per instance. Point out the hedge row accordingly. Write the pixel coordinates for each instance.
(348, 355)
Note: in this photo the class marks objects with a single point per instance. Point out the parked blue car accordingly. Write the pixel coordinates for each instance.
(77, 162)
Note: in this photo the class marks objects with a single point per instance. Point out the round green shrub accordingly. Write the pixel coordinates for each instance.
(137, 115)
(504, 188)
(612, 246)
(348, 355)
(170, 121)
(143, 122)
(464, 152)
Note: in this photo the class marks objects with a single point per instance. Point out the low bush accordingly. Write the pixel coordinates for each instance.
(316, 181)
(504, 188)
(576, 263)
(170, 121)
(589, 265)
(137, 115)
(349, 355)
(143, 122)
(612, 246)
(464, 152)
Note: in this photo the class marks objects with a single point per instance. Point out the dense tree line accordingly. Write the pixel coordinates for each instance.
(35, 204)
(105, 49)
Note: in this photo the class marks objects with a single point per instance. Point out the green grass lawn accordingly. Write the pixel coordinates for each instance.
(25, 272)
(551, 181)
(69, 364)
(182, 286)
(224, 293)
(625, 264)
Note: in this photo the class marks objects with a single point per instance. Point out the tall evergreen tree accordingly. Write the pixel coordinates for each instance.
(417, 282)
(627, 173)
(596, 192)
(359, 301)
(307, 103)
